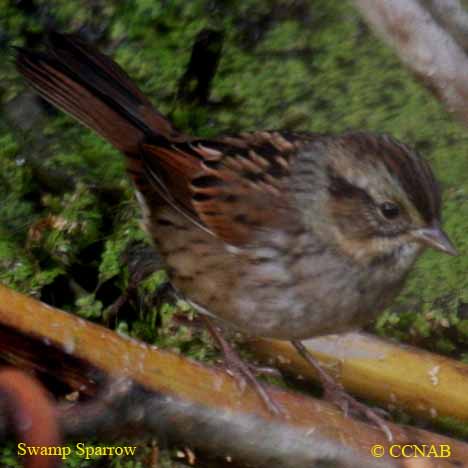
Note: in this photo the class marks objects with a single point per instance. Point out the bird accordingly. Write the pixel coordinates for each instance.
(277, 234)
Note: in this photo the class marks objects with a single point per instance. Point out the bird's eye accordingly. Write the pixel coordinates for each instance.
(390, 210)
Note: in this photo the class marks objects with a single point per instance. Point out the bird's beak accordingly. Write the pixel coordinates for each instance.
(435, 238)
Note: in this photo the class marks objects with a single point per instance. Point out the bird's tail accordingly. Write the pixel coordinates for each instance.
(93, 89)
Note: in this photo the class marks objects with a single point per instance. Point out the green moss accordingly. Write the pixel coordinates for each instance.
(320, 70)
(126, 230)
(8, 455)
(74, 223)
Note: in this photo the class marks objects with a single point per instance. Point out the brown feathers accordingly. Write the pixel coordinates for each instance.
(284, 235)
(225, 184)
(235, 186)
(92, 88)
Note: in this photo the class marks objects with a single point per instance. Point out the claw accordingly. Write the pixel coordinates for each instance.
(335, 393)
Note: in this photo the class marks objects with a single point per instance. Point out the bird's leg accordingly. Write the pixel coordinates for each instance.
(240, 370)
(124, 298)
(335, 393)
(200, 322)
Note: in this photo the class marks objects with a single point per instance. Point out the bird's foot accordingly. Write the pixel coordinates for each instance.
(336, 394)
(349, 405)
(242, 372)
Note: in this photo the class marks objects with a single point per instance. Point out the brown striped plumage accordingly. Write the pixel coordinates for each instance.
(286, 235)
(279, 234)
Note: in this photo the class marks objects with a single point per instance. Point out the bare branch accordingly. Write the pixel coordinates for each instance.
(84, 355)
(240, 437)
(424, 47)
(28, 411)
(423, 383)
(453, 17)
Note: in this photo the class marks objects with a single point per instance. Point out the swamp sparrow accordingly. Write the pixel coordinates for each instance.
(282, 235)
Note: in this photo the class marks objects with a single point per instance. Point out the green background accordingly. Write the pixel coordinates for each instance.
(68, 217)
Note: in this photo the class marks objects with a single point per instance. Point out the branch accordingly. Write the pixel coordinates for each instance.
(422, 383)
(28, 411)
(86, 356)
(241, 437)
(453, 17)
(424, 47)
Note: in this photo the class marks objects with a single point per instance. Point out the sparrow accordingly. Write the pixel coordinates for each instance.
(279, 234)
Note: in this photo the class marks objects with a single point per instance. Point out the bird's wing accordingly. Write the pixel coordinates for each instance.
(233, 186)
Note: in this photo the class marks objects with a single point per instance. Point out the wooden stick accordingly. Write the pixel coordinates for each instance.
(102, 352)
(395, 375)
